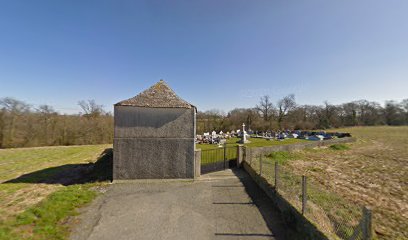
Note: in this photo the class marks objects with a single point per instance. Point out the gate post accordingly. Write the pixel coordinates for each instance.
(197, 163)
(240, 155)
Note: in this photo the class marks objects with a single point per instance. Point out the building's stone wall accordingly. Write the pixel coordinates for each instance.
(154, 143)
(140, 122)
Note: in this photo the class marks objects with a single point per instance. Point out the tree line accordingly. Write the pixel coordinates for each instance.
(287, 114)
(22, 125)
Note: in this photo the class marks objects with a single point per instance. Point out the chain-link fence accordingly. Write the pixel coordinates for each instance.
(330, 213)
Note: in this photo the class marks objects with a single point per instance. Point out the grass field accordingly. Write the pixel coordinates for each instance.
(371, 172)
(42, 187)
(254, 142)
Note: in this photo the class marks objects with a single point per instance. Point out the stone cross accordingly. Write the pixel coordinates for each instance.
(244, 140)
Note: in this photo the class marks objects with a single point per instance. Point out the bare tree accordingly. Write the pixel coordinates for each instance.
(393, 113)
(14, 109)
(211, 120)
(45, 109)
(284, 106)
(329, 115)
(14, 106)
(303, 117)
(349, 114)
(238, 116)
(47, 114)
(90, 108)
(265, 107)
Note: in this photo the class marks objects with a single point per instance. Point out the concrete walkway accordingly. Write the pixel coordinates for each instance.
(220, 205)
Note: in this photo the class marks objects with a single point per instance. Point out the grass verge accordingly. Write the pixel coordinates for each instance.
(47, 219)
(41, 188)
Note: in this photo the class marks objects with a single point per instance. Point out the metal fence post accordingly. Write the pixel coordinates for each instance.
(366, 228)
(304, 195)
(276, 175)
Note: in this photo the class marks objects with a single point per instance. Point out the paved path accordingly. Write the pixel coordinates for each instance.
(220, 205)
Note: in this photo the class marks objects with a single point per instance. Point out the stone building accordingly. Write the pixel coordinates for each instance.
(154, 136)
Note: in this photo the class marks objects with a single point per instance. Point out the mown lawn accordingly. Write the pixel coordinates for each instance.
(40, 188)
(254, 142)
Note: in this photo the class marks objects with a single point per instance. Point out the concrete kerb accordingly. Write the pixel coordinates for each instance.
(170, 180)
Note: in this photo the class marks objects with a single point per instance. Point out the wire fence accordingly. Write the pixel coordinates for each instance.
(330, 213)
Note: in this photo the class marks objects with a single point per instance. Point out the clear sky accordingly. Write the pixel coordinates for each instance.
(215, 54)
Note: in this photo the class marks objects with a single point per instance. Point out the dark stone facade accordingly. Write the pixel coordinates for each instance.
(154, 142)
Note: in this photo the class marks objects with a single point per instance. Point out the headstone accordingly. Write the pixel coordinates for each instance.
(244, 135)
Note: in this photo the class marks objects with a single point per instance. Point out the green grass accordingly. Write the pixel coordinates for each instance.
(209, 156)
(217, 155)
(17, 161)
(254, 142)
(282, 157)
(33, 202)
(45, 220)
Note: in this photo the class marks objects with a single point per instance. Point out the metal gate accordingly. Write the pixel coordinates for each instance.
(218, 159)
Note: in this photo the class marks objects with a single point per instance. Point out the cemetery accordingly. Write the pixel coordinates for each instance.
(242, 136)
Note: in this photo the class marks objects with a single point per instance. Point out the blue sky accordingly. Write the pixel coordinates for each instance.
(215, 54)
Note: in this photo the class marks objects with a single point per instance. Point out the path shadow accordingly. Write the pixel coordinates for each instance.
(71, 174)
(270, 213)
(218, 166)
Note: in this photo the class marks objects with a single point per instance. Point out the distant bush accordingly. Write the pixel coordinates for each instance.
(339, 147)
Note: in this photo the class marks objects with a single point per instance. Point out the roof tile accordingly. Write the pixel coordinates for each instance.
(159, 95)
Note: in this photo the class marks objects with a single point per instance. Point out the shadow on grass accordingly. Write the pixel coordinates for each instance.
(71, 174)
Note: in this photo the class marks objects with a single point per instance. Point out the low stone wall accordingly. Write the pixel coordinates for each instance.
(295, 220)
(256, 151)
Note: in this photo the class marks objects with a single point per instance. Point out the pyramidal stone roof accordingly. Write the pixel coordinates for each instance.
(159, 95)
